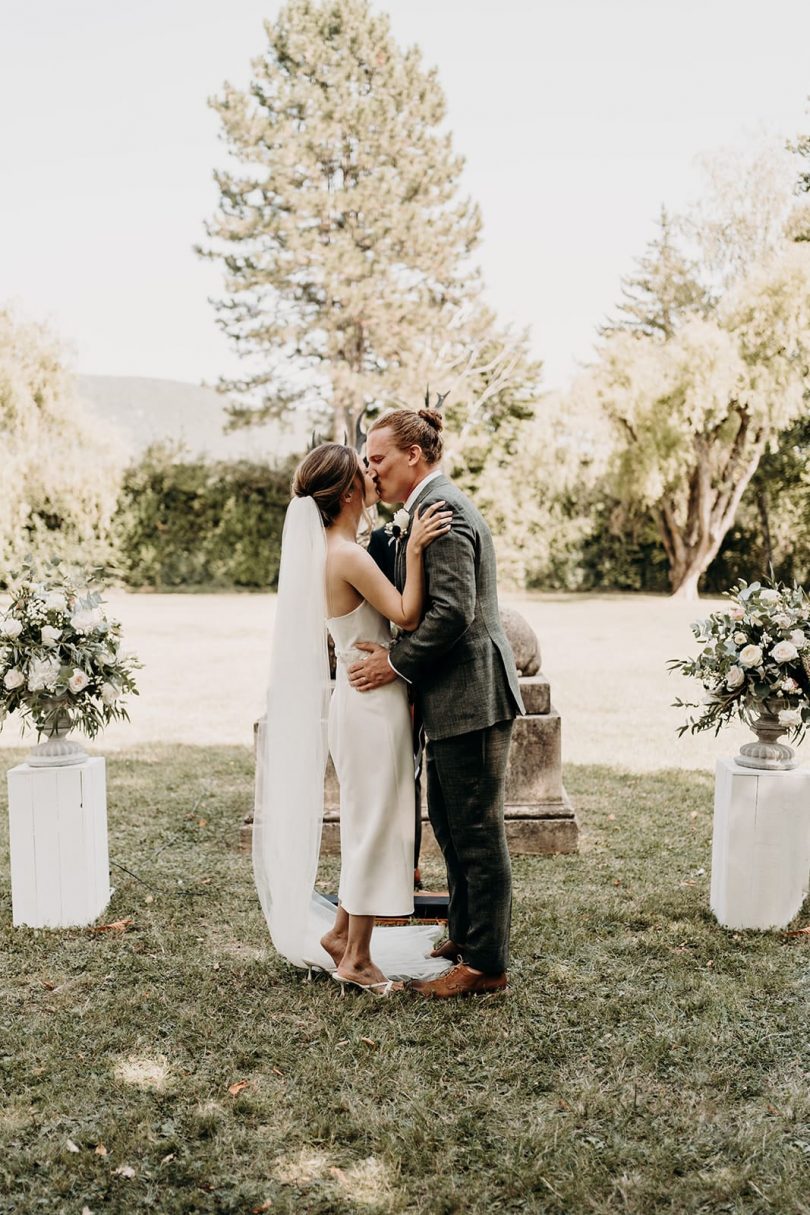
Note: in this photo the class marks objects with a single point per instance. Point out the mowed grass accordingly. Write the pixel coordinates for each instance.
(644, 1061)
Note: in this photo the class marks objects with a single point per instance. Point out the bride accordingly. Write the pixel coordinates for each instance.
(327, 580)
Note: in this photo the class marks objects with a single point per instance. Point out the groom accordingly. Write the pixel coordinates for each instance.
(466, 689)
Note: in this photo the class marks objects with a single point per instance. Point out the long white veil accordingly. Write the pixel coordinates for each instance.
(291, 755)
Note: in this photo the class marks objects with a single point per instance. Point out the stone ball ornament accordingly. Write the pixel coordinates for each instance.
(523, 640)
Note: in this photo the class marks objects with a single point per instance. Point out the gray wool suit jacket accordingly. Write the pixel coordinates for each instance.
(458, 659)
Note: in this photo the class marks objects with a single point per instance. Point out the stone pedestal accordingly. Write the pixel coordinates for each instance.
(60, 874)
(539, 816)
(760, 845)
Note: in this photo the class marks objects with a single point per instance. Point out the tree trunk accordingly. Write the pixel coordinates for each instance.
(764, 518)
(693, 545)
(687, 588)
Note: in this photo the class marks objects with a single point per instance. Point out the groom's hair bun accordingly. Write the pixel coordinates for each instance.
(432, 418)
(412, 428)
(325, 475)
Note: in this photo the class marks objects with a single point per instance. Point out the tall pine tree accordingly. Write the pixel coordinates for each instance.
(344, 241)
(663, 291)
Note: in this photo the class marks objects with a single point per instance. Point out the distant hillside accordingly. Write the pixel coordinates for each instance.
(145, 411)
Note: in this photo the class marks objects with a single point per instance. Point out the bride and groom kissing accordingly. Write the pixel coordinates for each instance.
(451, 659)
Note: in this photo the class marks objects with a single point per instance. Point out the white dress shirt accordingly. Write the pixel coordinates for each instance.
(414, 494)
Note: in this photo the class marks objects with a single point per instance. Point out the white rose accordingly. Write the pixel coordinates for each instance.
(798, 638)
(43, 673)
(789, 685)
(739, 639)
(55, 601)
(790, 717)
(401, 519)
(78, 681)
(735, 677)
(769, 596)
(782, 620)
(50, 635)
(11, 627)
(736, 612)
(13, 679)
(750, 656)
(109, 693)
(784, 651)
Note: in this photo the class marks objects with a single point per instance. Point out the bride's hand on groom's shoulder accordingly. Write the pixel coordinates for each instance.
(373, 671)
(428, 524)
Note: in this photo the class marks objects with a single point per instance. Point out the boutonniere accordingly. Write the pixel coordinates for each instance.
(397, 529)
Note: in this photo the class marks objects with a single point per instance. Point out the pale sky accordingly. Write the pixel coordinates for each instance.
(578, 119)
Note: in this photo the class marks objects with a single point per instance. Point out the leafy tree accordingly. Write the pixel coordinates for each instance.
(708, 360)
(696, 413)
(61, 470)
(344, 242)
(740, 218)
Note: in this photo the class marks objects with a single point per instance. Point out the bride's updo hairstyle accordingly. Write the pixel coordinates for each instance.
(409, 428)
(325, 475)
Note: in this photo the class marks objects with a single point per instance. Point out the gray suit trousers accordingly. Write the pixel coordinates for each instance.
(466, 776)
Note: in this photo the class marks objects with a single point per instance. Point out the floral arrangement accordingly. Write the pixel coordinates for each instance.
(755, 659)
(61, 656)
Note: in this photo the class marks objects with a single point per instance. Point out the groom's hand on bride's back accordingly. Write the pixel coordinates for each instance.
(373, 671)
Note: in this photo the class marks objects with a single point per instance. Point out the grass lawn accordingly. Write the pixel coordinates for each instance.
(645, 1060)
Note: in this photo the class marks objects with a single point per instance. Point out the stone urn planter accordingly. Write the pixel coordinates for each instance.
(767, 753)
(58, 750)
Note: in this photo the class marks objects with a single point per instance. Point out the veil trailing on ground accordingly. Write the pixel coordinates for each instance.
(291, 758)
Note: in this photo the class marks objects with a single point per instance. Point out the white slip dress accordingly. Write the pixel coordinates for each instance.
(370, 740)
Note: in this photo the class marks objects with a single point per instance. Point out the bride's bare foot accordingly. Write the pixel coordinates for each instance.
(335, 946)
(365, 974)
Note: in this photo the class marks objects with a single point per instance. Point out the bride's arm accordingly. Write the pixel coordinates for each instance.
(363, 573)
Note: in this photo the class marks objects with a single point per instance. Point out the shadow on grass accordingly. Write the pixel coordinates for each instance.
(645, 1059)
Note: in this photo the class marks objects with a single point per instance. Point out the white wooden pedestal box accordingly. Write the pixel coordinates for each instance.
(60, 876)
(760, 845)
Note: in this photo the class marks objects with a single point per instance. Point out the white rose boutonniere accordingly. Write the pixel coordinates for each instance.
(397, 529)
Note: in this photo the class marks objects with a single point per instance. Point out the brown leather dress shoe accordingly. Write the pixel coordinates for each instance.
(460, 981)
(448, 950)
